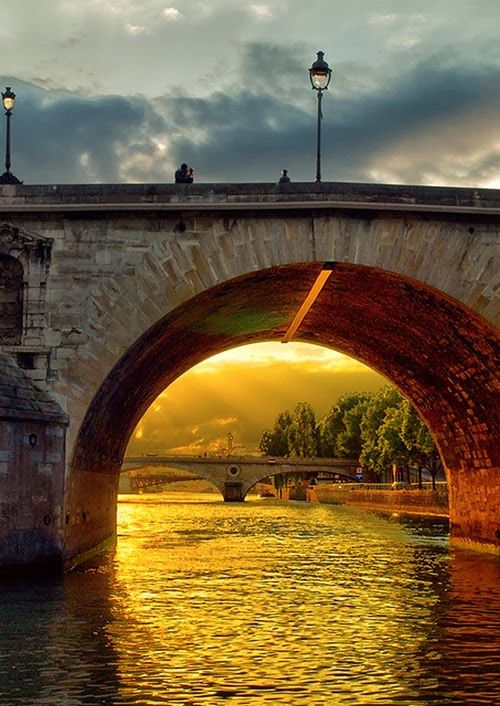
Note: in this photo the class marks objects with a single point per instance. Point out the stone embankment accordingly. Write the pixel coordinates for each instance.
(410, 501)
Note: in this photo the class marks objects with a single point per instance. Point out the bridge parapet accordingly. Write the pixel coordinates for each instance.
(99, 197)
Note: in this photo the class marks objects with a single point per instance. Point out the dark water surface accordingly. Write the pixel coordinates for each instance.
(262, 603)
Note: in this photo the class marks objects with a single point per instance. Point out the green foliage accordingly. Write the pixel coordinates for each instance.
(302, 431)
(280, 481)
(380, 440)
(419, 442)
(275, 442)
(379, 429)
(266, 443)
(339, 430)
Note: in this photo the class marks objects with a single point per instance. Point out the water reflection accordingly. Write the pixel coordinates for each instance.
(262, 603)
(54, 646)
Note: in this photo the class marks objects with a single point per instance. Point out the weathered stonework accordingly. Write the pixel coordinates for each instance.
(32, 469)
(146, 281)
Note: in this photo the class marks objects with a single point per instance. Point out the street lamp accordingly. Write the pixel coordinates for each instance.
(8, 100)
(319, 74)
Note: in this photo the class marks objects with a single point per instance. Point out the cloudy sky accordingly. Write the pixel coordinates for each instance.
(124, 90)
(242, 391)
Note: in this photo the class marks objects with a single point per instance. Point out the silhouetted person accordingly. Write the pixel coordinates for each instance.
(184, 175)
(284, 178)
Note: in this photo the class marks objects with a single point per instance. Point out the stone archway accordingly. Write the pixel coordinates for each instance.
(442, 355)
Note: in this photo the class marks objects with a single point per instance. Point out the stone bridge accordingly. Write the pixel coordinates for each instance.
(235, 476)
(109, 292)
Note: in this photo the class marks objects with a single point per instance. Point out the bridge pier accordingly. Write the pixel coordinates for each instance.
(32, 473)
(474, 516)
(233, 492)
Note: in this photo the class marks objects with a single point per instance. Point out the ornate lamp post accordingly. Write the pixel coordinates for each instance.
(319, 74)
(8, 100)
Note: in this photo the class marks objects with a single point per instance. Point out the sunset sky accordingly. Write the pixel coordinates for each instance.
(242, 391)
(123, 91)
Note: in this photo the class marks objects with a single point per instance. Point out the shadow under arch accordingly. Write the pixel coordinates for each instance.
(306, 476)
(439, 353)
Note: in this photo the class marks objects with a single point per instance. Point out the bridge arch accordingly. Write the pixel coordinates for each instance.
(331, 473)
(439, 352)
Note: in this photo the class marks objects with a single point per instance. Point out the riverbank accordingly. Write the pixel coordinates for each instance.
(418, 502)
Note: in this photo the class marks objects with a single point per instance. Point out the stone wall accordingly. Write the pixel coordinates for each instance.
(32, 472)
(421, 502)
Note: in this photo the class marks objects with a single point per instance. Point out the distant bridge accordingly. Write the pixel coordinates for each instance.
(235, 475)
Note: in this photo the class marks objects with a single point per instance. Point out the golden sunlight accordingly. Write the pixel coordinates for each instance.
(241, 391)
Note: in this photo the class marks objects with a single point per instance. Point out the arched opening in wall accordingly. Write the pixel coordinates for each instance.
(440, 354)
(152, 477)
(11, 300)
(221, 410)
(279, 404)
(293, 485)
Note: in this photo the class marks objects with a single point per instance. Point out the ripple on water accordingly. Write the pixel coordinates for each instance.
(205, 603)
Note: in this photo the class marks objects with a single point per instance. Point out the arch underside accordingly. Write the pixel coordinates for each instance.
(297, 473)
(440, 354)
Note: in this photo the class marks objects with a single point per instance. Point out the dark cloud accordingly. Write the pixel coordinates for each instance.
(59, 136)
(251, 135)
(438, 119)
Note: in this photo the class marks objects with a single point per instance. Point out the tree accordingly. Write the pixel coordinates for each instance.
(379, 430)
(332, 444)
(275, 442)
(378, 442)
(329, 429)
(391, 446)
(266, 443)
(420, 443)
(349, 441)
(280, 481)
(302, 436)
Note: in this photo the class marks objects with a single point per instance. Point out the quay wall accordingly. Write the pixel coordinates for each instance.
(418, 502)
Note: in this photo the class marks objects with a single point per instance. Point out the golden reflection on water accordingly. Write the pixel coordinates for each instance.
(206, 603)
(279, 603)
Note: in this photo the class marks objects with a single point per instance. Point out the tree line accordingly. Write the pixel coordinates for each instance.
(380, 430)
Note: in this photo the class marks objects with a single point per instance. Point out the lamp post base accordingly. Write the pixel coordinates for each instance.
(8, 178)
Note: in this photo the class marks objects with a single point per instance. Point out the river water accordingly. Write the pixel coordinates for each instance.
(206, 603)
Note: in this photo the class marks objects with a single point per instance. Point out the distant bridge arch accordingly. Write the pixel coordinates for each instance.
(163, 277)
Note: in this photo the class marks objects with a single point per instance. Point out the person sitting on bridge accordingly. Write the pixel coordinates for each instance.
(284, 178)
(184, 175)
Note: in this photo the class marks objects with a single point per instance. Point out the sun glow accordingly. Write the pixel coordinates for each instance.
(241, 391)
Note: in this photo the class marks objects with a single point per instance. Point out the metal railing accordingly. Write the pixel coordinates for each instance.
(440, 485)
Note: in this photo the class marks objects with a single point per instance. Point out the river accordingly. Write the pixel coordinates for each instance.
(206, 603)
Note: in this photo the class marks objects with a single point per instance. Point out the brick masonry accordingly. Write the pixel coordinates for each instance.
(146, 281)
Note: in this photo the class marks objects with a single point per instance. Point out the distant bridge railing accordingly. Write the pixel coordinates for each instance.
(440, 485)
(164, 460)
